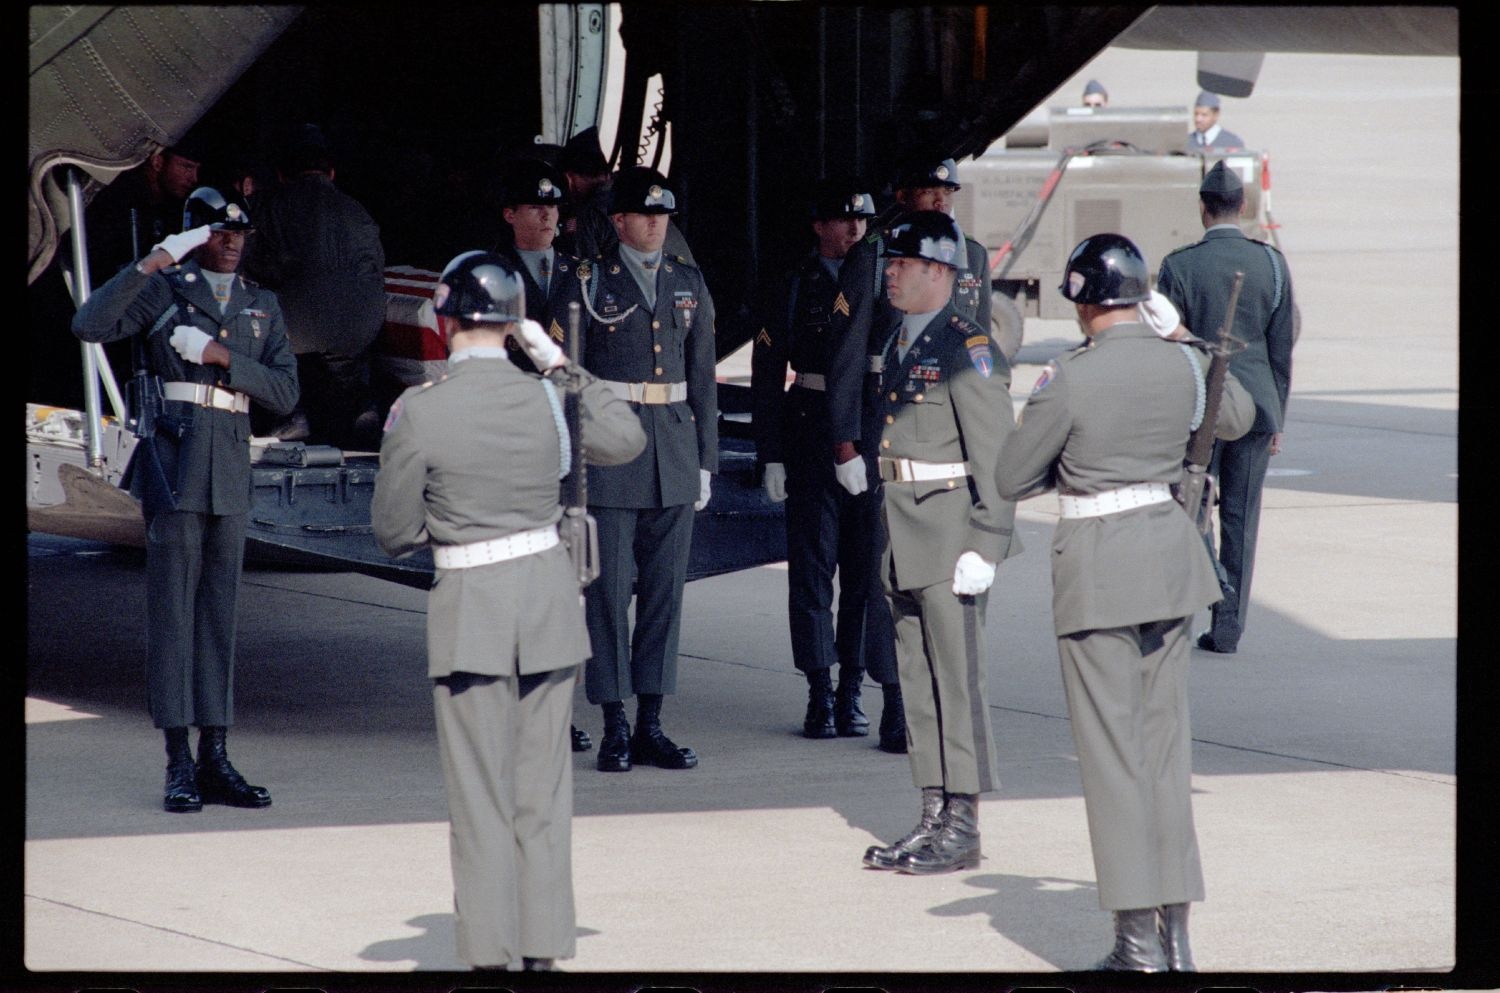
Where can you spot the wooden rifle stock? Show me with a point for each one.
(1195, 493)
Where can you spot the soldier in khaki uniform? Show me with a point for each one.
(217, 341)
(945, 411)
(470, 466)
(1107, 426)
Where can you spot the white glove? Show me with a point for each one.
(190, 342)
(178, 245)
(540, 349)
(851, 475)
(703, 477)
(972, 575)
(1159, 315)
(775, 481)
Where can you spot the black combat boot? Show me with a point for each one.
(614, 747)
(1172, 922)
(581, 740)
(819, 720)
(954, 846)
(649, 745)
(218, 780)
(181, 794)
(892, 721)
(886, 856)
(1138, 944)
(848, 717)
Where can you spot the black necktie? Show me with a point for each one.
(545, 268)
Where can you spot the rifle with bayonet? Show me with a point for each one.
(579, 531)
(1196, 491)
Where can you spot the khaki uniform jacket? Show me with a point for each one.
(863, 319)
(670, 343)
(948, 401)
(214, 456)
(1115, 412)
(475, 456)
(1197, 279)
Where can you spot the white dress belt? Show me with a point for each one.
(206, 395)
(895, 470)
(512, 546)
(1113, 501)
(810, 381)
(647, 392)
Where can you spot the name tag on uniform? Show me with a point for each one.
(611, 306)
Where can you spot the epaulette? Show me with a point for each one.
(964, 325)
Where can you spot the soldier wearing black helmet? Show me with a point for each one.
(828, 529)
(865, 318)
(216, 341)
(944, 412)
(531, 196)
(469, 467)
(650, 335)
(1107, 426)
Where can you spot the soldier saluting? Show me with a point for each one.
(470, 466)
(1107, 426)
(215, 341)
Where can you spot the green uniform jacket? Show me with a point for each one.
(671, 343)
(1198, 278)
(1115, 412)
(475, 456)
(948, 401)
(214, 457)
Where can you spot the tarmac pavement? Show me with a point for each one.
(1325, 787)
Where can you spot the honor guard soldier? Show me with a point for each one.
(212, 342)
(470, 467)
(1197, 279)
(945, 411)
(650, 338)
(827, 528)
(1107, 425)
(532, 194)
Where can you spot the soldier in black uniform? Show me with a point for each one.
(1197, 279)
(827, 527)
(650, 338)
(217, 341)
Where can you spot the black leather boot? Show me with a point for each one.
(892, 721)
(848, 717)
(181, 793)
(218, 781)
(1138, 944)
(819, 720)
(614, 746)
(581, 740)
(650, 745)
(886, 856)
(954, 846)
(1172, 922)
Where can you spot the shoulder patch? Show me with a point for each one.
(1048, 373)
(980, 355)
(393, 416)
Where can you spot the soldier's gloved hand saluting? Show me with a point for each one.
(190, 341)
(972, 574)
(178, 245)
(540, 349)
